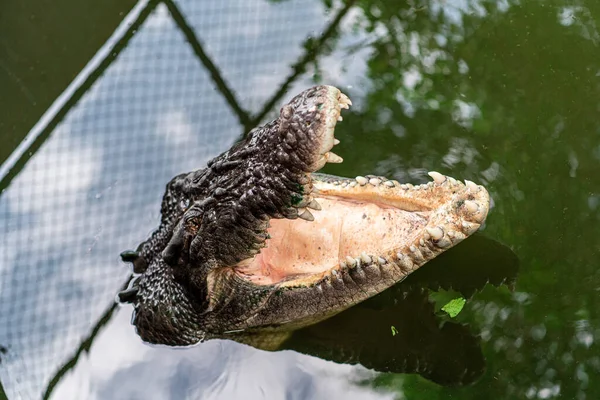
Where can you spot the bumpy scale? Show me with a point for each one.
(258, 239)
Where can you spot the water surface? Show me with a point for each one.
(505, 94)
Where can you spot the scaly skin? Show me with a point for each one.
(189, 286)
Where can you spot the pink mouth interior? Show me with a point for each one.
(302, 250)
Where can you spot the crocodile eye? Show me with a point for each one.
(192, 223)
(184, 204)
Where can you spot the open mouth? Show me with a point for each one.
(347, 224)
(260, 239)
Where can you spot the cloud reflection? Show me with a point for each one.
(119, 366)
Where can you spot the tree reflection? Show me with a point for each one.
(503, 93)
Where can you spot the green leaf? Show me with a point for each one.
(394, 331)
(454, 306)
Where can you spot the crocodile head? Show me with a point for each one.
(258, 240)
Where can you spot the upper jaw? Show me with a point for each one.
(334, 102)
(230, 202)
(308, 122)
(455, 210)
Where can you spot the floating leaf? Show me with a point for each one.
(454, 307)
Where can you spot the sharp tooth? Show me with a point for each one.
(404, 186)
(381, 260)
(340, 119)
(303, 203)
(437, 177)
(333, 158)
(471, 206)
(336, 142)
(314, 205)
(305, 214)
(443, 243)
(374, 181)
(351, 262)
(469, 227)
(365, 258)
(471, 185)
(362, 181)
(413, 249)
(452, 180)
(344, 105)
(404, 262)
(344, 99)
(352, 184)
(389, 183)
(436, 233)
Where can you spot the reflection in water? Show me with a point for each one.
(436, 348)
(151, 114)
(118, 366)
(425, 343)
(507, 88)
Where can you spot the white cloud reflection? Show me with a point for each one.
(94, 189)
(119, 366)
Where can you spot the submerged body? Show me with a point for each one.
(257, 240)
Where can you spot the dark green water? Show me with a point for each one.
(531, 133)
(506, 94)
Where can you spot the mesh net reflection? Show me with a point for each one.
(179, 83)
(183, 82)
